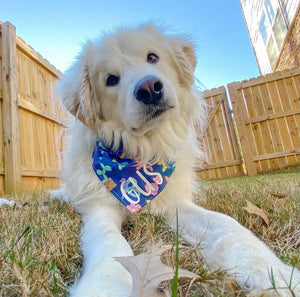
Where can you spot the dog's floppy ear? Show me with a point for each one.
(184, 58)
(75, 89)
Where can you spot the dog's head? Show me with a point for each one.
(132, 78)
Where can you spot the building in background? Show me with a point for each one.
(274, 31)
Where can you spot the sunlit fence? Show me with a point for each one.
(31, 120)
(263, 132)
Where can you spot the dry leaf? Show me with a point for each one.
(253, 209)
(278, 196)
(148, 272)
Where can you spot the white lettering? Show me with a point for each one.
(135, 189)
(130, 192)
(154, 174)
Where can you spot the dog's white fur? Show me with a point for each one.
(112, 113)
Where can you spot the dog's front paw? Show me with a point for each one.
(283, 281)
(105, 279)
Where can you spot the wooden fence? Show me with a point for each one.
(30, 119)
(219, 139)
(266, 114)
(262, 133)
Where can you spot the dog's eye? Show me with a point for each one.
(112, 80)
(152, 58)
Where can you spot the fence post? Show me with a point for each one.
(240, 115)
(10, 110)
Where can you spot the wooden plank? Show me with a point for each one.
(221, 165)
(240, 115)
(209, 137)
(212, 114)
(2, 169)
(268, 110)
(216, 140)
(36, 110)
(293, 121)
(277, 155)
(273, 125)
(296, 81)
(24, 80)
(281, 127)
(232, 134)
(270, 77)
(265, 143)
(213, 92)
(26, 138)
(1, 136)
(30, 183)
(40, 172)
(10, 109)
(253, 131)
(2, 184)
(273, 116)
(1, 79)
(226, 139)
(289, 123)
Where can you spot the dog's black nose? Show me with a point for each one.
(149, 90)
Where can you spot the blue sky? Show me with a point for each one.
(57, 28)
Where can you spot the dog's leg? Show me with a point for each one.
(102, 241)
(225, 244)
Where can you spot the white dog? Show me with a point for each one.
(134, 144)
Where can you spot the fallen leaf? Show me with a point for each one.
(253, 209)
(148, 272)
(278, 196)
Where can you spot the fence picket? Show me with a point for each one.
(240, 115)
(10, 110)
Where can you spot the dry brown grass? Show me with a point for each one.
(39, 243)
(39, 251)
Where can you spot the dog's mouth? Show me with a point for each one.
(152, 113)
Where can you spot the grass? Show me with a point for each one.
(39, 243)
(39, 251)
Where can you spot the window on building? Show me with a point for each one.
(264, 28)
(273, 29)
(279, 29)
(269, 10)
(272, 52)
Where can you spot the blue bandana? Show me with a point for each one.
(131, 183)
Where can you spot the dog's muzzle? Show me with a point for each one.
(149, 90)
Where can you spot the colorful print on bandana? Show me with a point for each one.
(132, 184)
